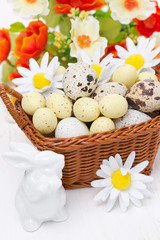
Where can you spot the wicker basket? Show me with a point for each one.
(84, 154)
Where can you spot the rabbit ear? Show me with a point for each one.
(23, 148)
(18, 160)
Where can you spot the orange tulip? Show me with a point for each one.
(31, 42)
(64, 6)
(5, 44)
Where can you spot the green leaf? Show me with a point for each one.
(7, 69)
(109, 28)
(52, 19)
(118, 38)
(65, 25)
(17, 27)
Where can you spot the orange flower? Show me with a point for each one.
(111, 49)
(5, 44)
(87, 5)
(31, 42)
(13, 75)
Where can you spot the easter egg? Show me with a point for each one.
(60, 104)
(71, 127)
(113, 106)
(146, 75)
(79, 80)
(44, 120)
(32, 101)
(86, 109)
(102, 124)
(125, 74)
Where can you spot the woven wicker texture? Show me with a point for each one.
(84, 154)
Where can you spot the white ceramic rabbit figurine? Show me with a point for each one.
(41, 196)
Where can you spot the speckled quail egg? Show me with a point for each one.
(45, 120)
(86, 109)
(60, 104)
(144, 95)
(32, 101)
(131, 117)
(102, 124)
(71, 127)
(125, 74)
(146, 75)
(109, 88)
(113, 106)
(79, 80)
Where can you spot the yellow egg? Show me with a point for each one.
(44, 120)
(113, 106)
(86, 109)
(102, 124)
(146, 75)
(125, 74)
(32, 101)
(60, 104)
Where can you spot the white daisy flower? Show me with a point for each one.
(126, 10)
(30, 8)
(104, 68)
(141, 56)
(85, 35)
(42, 79)
(122, 182)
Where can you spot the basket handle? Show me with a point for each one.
(4, 91)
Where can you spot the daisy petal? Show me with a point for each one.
(146, 193)
(124, 171)
(124, 195)
(151, 44)
(113, 163)
(139, 167)
(53, 66)
(142, 177)
(122, 204)
(135, 193)
(103, 194)
(24, 72)
(107, 170)
(114, 193)
(130, 45)
(34, 67)
(110, 204)
(136, 201)
(85, 57)
(130, 159)
(102, 183)
(20, 81)
(44, 62)
(106, 162)
(119, 160)
(121, 52)
(138, 185)
(101, 174)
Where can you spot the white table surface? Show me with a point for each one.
(87, 219)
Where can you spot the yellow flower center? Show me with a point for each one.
(31, 1)
(40, 81)
(130, 4)
(84, 41)
(136, 61)
(119, 181)
(97, 68)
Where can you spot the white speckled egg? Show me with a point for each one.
(32, 101)
(71, 127)
(125, 74)
(113, 106)
(146, 75)
(102, 124)
(144, 95)
(44, 120)
(79, 80)
(109, 88)
(132, 117)
(60, 104)
(86, 109)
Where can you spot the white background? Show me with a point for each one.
(87, 219)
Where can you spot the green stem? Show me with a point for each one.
(9, 62)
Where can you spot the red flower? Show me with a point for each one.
(150, 25)
(87, 5)
(5, 44)
(111, 49)
(31, 42)
(13, 75)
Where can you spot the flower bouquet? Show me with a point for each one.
(85, 75)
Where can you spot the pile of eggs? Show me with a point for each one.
(87, 108)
